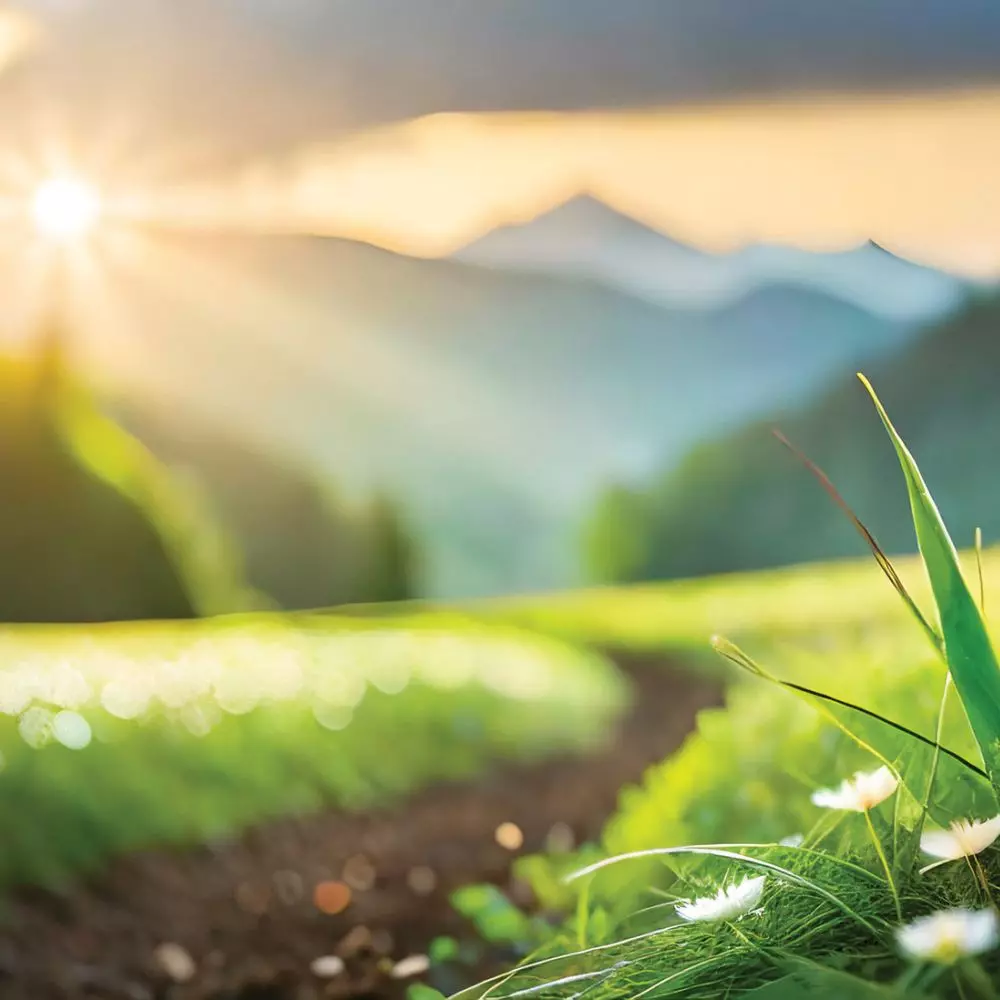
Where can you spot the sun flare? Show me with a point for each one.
(65, 209)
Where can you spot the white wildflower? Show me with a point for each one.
(948, 935)
(858, 794)
(729, 903)
(961, 840)
(792, 840)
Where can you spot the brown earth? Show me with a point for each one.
(240, 920)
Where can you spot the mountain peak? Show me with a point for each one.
(584, 237)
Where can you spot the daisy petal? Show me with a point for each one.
(729, 903)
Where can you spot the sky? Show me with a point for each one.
(422, 124)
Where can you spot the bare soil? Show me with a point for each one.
(240, 920)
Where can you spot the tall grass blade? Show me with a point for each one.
(968, 650)
(979, 570)
(735, 655)
(892, 743)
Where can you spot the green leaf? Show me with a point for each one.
(495, 917)
(418, 991)
(971, 658)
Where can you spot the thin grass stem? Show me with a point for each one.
(885, 865)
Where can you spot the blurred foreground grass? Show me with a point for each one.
(120, 736)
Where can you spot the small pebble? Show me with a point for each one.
(509, 836)
(421, 880)
(357, 939)
(176, 961)
(288, 886)
(412, 965)
(359, 873)
(382, 942)
(252, 898)
(332, 897)
(327, 966)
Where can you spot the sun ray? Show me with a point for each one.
(231, 317)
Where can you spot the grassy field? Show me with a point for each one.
(794, 604)
(196, 729)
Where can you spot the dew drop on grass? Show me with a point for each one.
(333, 717)
(125, 698)
(72, 730)
(35, 727)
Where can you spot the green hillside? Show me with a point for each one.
(743, 502)
(303, 543)
(91, 527)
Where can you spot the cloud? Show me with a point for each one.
(914, 172)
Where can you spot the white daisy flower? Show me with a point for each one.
(729, 903)
(858, 794)
(948, 935)
(961, 840)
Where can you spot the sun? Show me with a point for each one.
(65, 209)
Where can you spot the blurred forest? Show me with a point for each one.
(96, 526)
(741, 501)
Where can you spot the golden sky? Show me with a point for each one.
(914, 172)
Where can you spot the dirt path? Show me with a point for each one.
(240, 920)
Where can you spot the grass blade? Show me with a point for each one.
(885, 564)
(735, 655)
(968, 650)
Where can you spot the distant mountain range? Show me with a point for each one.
(585, 238)
(493, 403)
